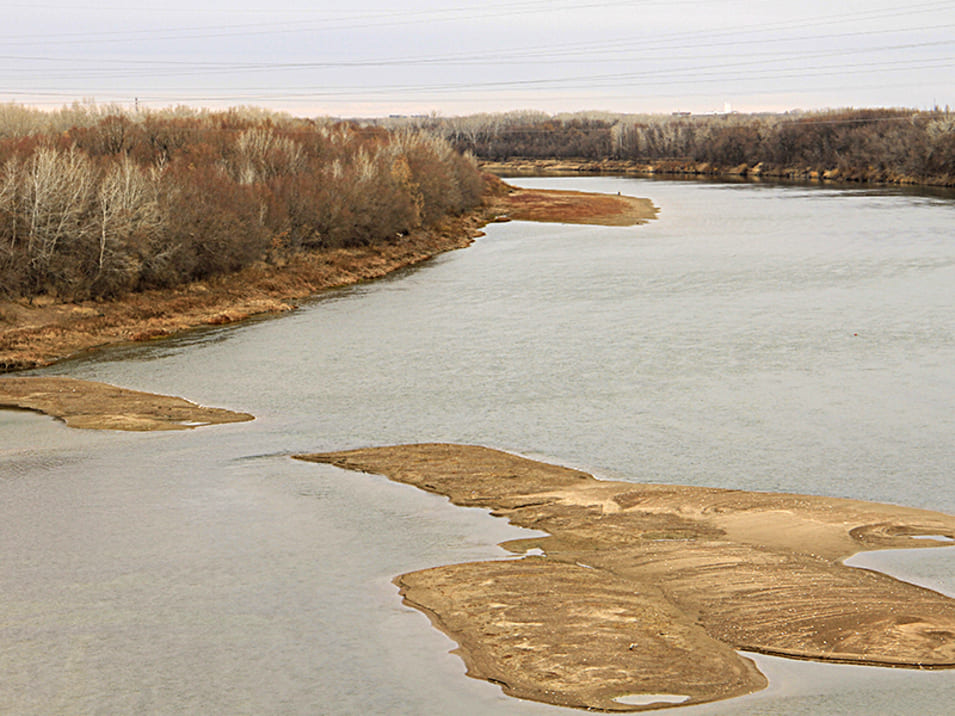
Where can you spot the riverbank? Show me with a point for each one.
(39, 332)
(700, 170)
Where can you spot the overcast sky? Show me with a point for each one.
(361, 58)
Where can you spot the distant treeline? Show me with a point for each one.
(95, 202)
(866, 144)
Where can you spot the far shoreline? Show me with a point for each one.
(677, 169)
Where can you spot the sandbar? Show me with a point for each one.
(573, 207)
(654, 589)
(100, 406)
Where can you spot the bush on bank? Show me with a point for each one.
(96, 204)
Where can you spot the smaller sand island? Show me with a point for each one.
(100, 406)
(642, 595)
(574, 207)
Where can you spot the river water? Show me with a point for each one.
(754, 336)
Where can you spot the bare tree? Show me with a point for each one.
(129, 218)
(57, 193)
(262, 154)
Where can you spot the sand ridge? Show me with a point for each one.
(575, 207)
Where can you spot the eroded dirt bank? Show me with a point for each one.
(42, 331)
(651, 589)
(100, 406)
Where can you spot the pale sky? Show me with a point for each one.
(375, 58)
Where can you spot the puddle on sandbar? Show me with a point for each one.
(944, 539)
(648, 699)
(926, 566)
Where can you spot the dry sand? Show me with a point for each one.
(652, 589)
(86, 404)
(574, 207)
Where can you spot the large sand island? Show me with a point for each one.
(642, 595)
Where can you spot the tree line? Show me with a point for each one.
(95, 203)
(862, 144)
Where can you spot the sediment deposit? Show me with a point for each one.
(100, 406)
(652, 589)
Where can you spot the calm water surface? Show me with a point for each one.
(755, 337)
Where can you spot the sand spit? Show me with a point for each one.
(574, 207)
(99, 406)
(651, 589)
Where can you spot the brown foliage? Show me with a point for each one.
(117, 202)
(867, 144)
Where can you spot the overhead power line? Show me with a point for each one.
(742, 57)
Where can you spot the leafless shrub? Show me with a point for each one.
(118, 201)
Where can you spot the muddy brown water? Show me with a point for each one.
(754, 336)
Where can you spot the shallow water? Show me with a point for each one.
(754, 336)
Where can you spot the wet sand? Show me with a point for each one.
(653, 589)
(100, 406)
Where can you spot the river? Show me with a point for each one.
(755, 336)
